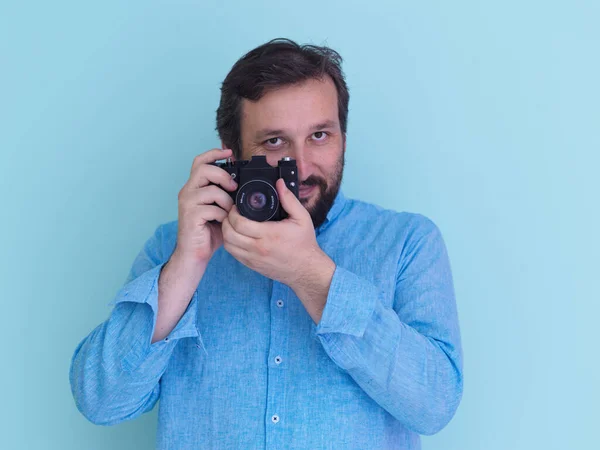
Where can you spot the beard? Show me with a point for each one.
(327, 192)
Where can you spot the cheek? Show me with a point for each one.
(273, 158)
(327, 166)
(323, 157)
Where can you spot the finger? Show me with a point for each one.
(244, 225)
(211, 194)
(211, 156)
(289, 202)
(205, 174)
(206, 213)
(234, 238)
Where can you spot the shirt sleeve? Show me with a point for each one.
(408, 357)
(115, 370)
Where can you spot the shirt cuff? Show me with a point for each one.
(144, 290)
(350, 304)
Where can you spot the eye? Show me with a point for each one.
(274, 142)
(319, 136)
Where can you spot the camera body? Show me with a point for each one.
(256, 196)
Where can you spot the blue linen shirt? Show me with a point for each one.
(246, 366)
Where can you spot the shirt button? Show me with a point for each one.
(275, 418)
(278, 360)
(280, 303)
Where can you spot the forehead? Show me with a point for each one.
(292, 107)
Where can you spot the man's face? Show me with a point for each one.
(300, 121)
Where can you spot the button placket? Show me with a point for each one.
(277, 373)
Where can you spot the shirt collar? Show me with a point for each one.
(334, 211)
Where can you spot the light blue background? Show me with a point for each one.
(481, 115)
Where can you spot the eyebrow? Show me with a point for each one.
(266, 132)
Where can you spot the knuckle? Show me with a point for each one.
(209, 193)
(182, 194)
(198, 159)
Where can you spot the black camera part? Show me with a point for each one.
(256, 196)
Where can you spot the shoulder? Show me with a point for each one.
(168, 229)
(405, 225)
(392, 240)
(166, 234)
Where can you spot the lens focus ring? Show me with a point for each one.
(257, 200)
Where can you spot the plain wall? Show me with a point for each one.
(481, 115)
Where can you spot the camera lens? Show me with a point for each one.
(257, 200)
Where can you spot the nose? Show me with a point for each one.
(302, 162)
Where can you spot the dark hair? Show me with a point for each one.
(279, 62)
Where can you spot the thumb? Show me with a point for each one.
(289, 201)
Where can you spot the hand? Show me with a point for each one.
(280, 250)
(197, 238)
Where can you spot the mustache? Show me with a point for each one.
(314, 181)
